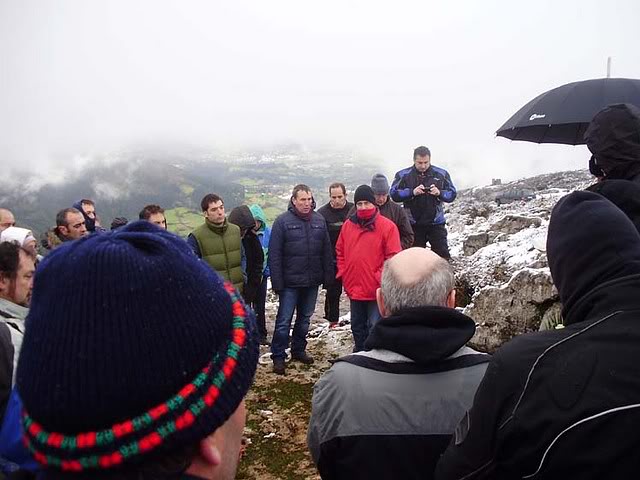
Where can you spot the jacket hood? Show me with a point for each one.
(90, 223)
(242, 217)
(258, 214)
(423, 334)
(590, 242)
(613, 136)
(16, 234)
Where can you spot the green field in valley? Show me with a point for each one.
(182, 221)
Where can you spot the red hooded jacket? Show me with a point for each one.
(361, 253)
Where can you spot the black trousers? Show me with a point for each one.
(332, 301)
(436, 235)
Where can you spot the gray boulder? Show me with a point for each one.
(512, 309)
(514, 223)
(473, 243)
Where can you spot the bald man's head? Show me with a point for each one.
(6, 219)
(416, 277)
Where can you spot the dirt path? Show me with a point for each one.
(279, 406)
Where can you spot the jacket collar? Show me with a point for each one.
(219, 229)
(424, 334)
(13, 309)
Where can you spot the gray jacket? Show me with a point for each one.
(382, 414)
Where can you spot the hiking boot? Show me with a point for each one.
(302, 357)
(278, 366)
(333, 324)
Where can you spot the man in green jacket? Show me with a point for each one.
(219, 242)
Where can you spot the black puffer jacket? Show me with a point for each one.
(300, 253)
(566, 403)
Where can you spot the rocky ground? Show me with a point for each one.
(503, 283)
(278, 407)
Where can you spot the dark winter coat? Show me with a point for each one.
(335, 218)
(361, 253)
(424, 209)
(390, 412)
(566, 403)
(300, 252)
(254, 255)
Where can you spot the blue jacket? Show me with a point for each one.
(300, 253)
(423, 209)
(265, 237)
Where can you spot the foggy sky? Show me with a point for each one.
(379, 77)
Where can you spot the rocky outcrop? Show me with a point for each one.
(473, 243)
(514, 223)
(515, 308)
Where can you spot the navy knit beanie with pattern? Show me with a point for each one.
(133, 347)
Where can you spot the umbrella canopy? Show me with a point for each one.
(562, 115)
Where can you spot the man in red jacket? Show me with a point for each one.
(366, 240)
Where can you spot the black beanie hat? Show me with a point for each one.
(364, 192)
(134, 346)
(590, 242)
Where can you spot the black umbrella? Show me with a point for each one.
(562, 115)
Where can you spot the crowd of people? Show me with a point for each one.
(131, 353)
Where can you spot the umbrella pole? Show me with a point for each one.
(608, 67)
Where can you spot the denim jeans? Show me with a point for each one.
(364, 315)
(303, 301)
(259, 306)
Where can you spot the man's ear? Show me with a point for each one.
(380, 302)
(451, 299)
(209, 452)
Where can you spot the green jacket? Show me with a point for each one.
(221, 247)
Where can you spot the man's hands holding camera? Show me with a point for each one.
(422, 190)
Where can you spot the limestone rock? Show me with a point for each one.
(514, 223)
(473, 243)
(515, 308)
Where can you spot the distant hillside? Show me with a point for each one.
(120, 189)
(177, 183)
